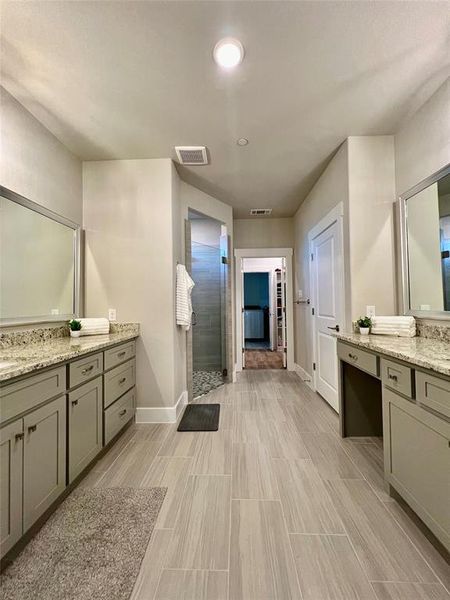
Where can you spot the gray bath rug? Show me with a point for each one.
(91, 548)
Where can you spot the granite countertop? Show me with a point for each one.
(428, 353)
(20, 359)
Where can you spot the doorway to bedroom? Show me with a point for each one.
(264, 313)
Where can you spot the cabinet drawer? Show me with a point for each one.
(119, 354)
(17, 398)
(85, 413)
(118, 414)
(85, 369)
(118, 381)
(359, 358)
(433, 392)
(397, 377)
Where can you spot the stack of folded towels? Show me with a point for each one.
(400, 326)
(94, 326)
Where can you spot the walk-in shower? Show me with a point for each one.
(209, 272)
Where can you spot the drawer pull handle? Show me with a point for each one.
(353, 356)
(74, 402)
(122, 381)
(87, 370)
(19, 436)
(123, 412)
(32, 428)
(121, 354)
(393, 378)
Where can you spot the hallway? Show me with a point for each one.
(272, 506)
(263, 359)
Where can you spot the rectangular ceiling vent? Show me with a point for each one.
(192, 155)
(260, 212)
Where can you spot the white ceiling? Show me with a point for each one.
(133, 79)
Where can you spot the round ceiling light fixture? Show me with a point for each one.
(228, 53)
(242, 142)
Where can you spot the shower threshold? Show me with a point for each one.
(205, 381)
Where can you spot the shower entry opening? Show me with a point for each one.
(207, 261)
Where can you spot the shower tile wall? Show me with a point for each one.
(206, 303)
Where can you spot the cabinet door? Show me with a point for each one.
(11, 462)
(419, 462)
(44, 459)
(85, 408)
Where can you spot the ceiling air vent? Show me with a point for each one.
(258, 212)
(192, 155)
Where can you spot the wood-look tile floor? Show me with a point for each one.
(273, 506)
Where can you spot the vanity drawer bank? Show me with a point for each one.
(405, 399)
(57, 414)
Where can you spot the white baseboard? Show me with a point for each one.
(304, 376)
(162, 414)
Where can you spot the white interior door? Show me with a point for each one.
(328, 304)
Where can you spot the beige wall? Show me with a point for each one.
(262, 232)
(330, 189)
(35, 164)
(422, 145)
(361, 176)
(206, 231)
(371, 224)
(132, 222)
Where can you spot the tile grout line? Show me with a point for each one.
(231, 507)
(288, 536)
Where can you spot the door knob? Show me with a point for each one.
(335, 328)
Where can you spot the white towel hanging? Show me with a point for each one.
(185, 286)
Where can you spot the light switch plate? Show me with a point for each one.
(370, 311)
(112, 314)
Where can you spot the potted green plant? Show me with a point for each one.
(364, 324)
(75, 328)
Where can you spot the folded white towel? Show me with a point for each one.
(401, 326)
(388, 326)
(185, 286)
(94, 326)
(394, 320)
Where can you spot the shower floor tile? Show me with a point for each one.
(205, 381)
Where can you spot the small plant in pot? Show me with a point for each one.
(75, 328)
(364, 324)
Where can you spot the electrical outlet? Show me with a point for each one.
(55, 311)
(112, 314)
(300, 294)
(370, 311)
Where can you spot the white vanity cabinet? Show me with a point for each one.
(52, 427)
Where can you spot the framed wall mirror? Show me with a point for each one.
(39, 263)
(425, 232)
